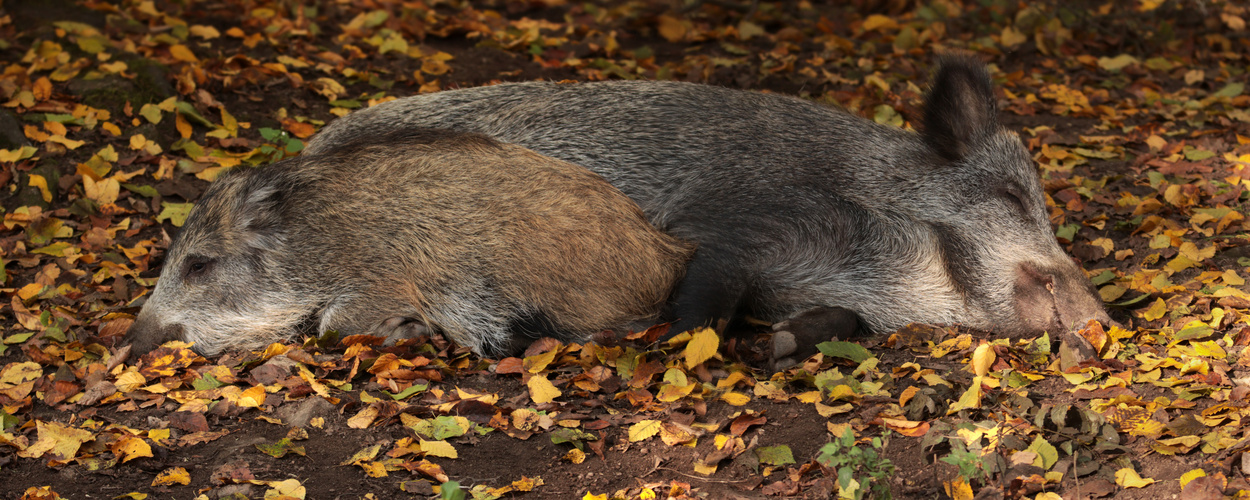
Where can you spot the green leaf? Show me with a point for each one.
(141, 189)
(151, 112)
(190, 112)
(1195, 154)
(572, 436)
(412, 389)
(1231, 90)
(1047, 455)
(775, 455)
(19, 338)
(206, 382)
(845, 350)
(445, 427)
(1067, 232)
(1102, 277)
(281, 448)
(175, 213)
(450, 490)
(1194, 330)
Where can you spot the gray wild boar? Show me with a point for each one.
(801, 211)
(402, 233)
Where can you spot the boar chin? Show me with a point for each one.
(1054, 298)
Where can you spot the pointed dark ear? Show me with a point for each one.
(960, 109)
(262, 209)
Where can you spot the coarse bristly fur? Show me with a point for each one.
(795, 205)
(405, 232)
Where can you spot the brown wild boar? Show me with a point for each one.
(402, 233)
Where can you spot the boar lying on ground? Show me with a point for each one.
(401, 233)
(800, 211)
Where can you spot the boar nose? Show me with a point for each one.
(144, 337)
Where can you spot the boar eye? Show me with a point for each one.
(197, 266)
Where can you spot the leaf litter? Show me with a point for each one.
(113, 123)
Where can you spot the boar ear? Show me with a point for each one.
(960, 109)
(261, 210)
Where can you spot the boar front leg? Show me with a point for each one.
(709, 294)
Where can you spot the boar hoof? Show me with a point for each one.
(400, 328)
(795, 339)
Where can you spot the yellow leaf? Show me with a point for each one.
(982, 359)
(252, 397)
(879, 22)
(40, 182)
(57, 441)
(590, 496)
(958, 489)
(182, 53)
(363, 418)
(1156, 310)
(1047, 495)
(328, 88)
(131, 447)
(672, 28)
(1156, 143)
(289, 488)
(541, 389)
(1128, 478)
(205, 32)
(183, 126)
(828, 411)
(12, 155)
(1116, 63)
(176, 475)
(439, 448)
(539, 362)
(735, 398)
(1191, 475)
(103, 192)
(705, 469)
(575, 456)
(17, 373)
(1012, 37)
(643, 429)
(702, 346)
(374, 469)
(970, 399)
(674, 434)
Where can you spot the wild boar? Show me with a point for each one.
(801, 211)
(409, 232)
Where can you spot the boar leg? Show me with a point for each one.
(709, 294)
(795, 339)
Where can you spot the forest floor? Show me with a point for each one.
(115, 116)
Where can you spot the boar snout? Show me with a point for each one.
(145, 335)
(1055, 298)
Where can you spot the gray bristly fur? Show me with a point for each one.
(409, 232)
(795, 205)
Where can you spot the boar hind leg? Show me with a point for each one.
(710, 293)
(795, 339)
